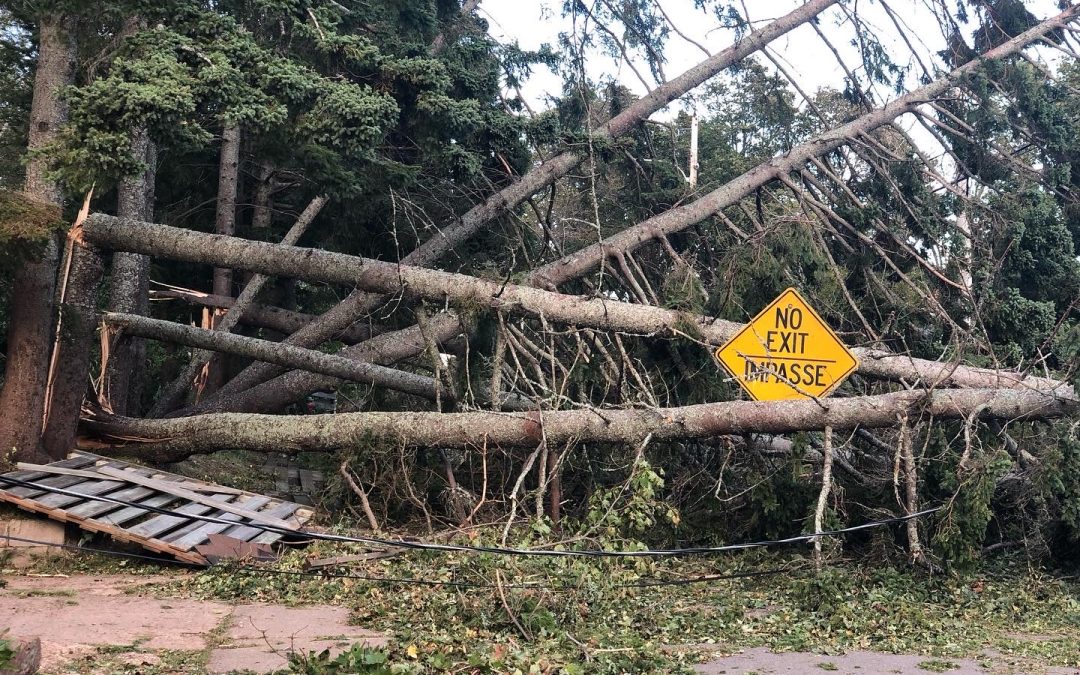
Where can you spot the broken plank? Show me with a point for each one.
(171, 488)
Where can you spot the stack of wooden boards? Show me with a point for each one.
(83, 476)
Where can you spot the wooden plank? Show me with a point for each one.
(93, 508)
(88, 488)
(246, 532)
(165, 475)
(70, 463)
(140, 471)
(39, 477)
(130, 513)
(158, 525)
(201, 534)
(173, 489)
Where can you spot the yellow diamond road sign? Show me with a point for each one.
(787, 352)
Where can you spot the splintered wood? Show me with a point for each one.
(84, 476)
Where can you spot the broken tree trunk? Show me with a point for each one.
(278, 319)
(176, 389)
(228, 180)
(581, 262)
(70, 371)
(358, 303)
(173, 439)
(274, 352)
(224, 223)
(601, 313)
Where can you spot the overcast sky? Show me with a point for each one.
(534, 22)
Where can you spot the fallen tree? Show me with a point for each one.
(278, 353)
(174, 439)
(359, 303)
(462, 290)
(175, 390)
(292, 385)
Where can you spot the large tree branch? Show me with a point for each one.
(462, 290)
(173, 439)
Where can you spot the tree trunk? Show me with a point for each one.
(129, 284)
(601, 313)
(224, 223)
(176, 389)
(357, 304)
(173, 439)
(30, 319)
(228, 179)
(262, 207)
(581, 262)
(73, 347)
(274, 352)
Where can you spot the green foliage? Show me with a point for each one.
(7, 651)
(25, 225)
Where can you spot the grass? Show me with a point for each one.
(937, 665)
(618, 629)
(1030, 619)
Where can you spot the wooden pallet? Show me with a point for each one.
(175, 535)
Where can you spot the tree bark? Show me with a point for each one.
(278, 319)
(358, 303)
(224, 223)
(173, 439)
(30, 318)
(176, 389)
(74, 342)
(228, 179)
(581, 262)
(601, 313)
(129, 283)
(262, 208)
(274, 352)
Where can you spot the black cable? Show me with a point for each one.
(649, 583)
(462, 548)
